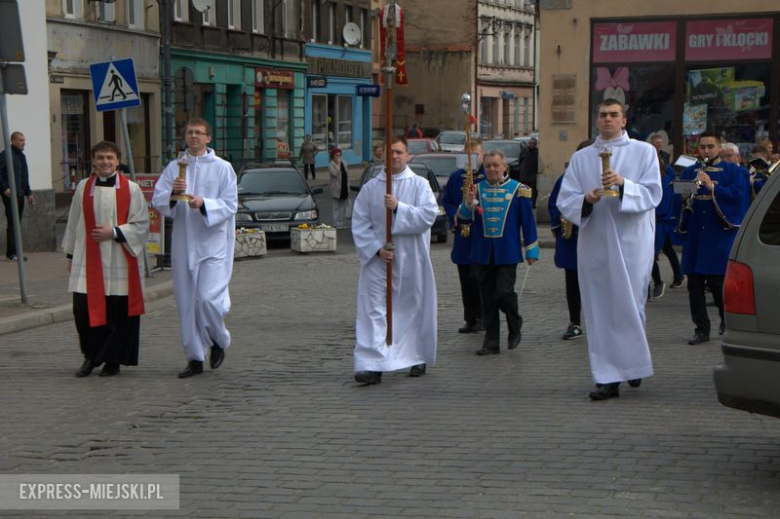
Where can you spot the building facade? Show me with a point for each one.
(80, 33)
(29, 114)
(339, 59)
(682, 68)
(240, 65)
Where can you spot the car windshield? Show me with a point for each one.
(271, 182)
(441, 166)
(420, 171)
(453, 138)
(511, 149)
(417, 147)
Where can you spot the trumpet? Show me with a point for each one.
(698, 182)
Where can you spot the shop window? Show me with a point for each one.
(731, 100)
(648, 90)
(76, 164)
(319, 120)
(344, 123)
(283, 123)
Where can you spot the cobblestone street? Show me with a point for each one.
(282, 430)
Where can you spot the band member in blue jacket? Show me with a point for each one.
(498, 209)
(664, 226)
(710, 218)
(461, 247)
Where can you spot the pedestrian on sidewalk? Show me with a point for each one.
(307, 157)
(499, 210)
(202, 245)
(615, 247)
(22, 181)
(106, 235)
(339, 187)
(414, 209)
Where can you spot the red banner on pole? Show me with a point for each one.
(401, 79)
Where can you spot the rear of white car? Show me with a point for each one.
(749, 376)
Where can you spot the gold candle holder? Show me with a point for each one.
(605, 154)
(179, 195)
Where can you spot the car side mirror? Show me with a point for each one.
(316, 190)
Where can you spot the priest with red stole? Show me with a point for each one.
(104, 243)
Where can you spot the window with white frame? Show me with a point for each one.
(507, 47)
(136, 14)
(496, 42)
(315, 20)
(181, 10)
(210, 17)
(331, 23)
(73, 8)
(285, 17)
(527, 50)
(258, 16)
(106, 12)
(234, 14)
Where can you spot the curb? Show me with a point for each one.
(62, 313)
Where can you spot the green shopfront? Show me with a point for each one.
(255, 106)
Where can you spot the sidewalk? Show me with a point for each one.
(47, 291)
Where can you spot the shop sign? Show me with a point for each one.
(339, 67)
(631, 42)
(710, 40)
(317, 82)
(271, 78)
(155, 244)
(367, 90)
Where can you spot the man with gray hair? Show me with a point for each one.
(730, 153)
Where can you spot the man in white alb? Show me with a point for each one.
(615, 248)
(414, 210)
(202, 245)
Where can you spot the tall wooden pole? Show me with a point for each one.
(389, 70)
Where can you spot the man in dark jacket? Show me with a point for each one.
(22, 178)
(529, 168)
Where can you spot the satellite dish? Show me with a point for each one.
(351, 33)
(202, 5)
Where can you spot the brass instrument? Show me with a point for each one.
(179, 195)
(689, 203)
(772, 168)
(567, 228)
(605, 154)
(468, 182)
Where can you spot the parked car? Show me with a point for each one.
(749, 376)
(453, 140)
(526, 138)
(439, 229)
(273, 198)
(511, 149)
(443, 164)
(417, 146)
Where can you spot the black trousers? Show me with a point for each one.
(573, 298)
(306, 169)
(10, 237)
(114, 343)
(497, 290)
(469, 293)
(674, 261)
(697, 283)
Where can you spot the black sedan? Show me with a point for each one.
(439, 228)
(512, 150)
(273, 198)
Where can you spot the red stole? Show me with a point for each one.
(96, 292)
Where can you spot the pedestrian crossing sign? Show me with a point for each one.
(114, 84)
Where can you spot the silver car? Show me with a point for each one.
(749, 377)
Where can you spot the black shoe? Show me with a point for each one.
(635, 383)
(369, 377)
(470, 327)
(658, 290)
(606, 391)
(514, 342)
(109, 370)
(722, 328)
(677, 283)
(417, 371)
(217, 356)
(488, 351)
(574, 331)
(478, 326)
(699, 338)
(86, 368)
(194, 367)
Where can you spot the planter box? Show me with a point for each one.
(250, 245)
(313, 240)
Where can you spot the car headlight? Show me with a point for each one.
(243, 217)
(306, 215)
